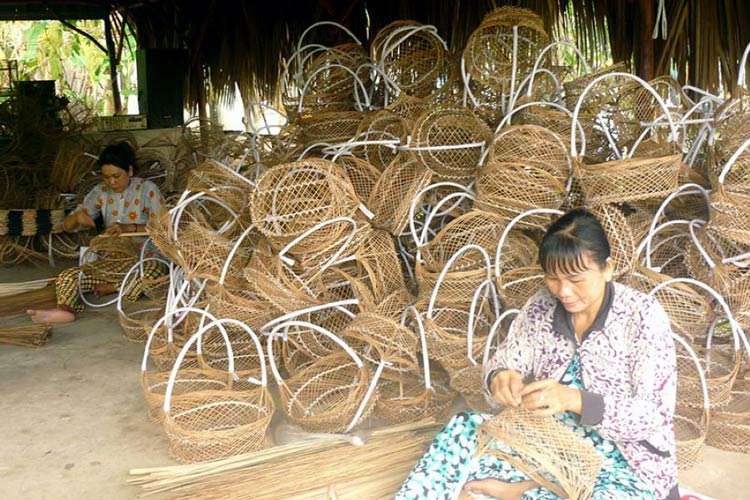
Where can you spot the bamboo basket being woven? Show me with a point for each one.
(548, 451)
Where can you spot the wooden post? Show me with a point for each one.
(647, 17)
(113, 60)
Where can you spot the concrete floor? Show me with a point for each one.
(73, 420)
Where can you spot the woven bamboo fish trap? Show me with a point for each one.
(395, 191)
(332, 394)
(622, 242)
(384, 126)
(188, 379)
(510, 189)
(690, 425)
(711, 259)
(377, 266)
(410, 397)
(330, 127)
(730, 424)
(137, 318)
(409, 109)
(549, 452)
(532, 145)
(502, 50)
(157, 167)
(293, 197)
(412, 56)
(361, 173)
(628, 179)
(219, 181)
(449, 141)
(730, 199)
(211, 424)
(719, 370)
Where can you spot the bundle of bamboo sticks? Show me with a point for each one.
(302, 470)
(26, 336)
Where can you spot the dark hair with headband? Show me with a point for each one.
(120, 155)
(569, 238)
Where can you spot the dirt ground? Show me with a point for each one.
(73, 420)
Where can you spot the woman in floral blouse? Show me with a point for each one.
(125, 203)
(596, 355)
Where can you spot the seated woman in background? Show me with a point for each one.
(125, 203)
(596, 355)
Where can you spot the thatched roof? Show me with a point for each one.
(243, 42)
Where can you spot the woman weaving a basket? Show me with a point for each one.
(594, 354)
(125, 203)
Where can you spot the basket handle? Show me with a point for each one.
(473, 313)
(493, 331)
(509, 226)
(684, 190)
(697, 243)
(733, 159)
(125, 287)
(701, 375)
(328, 23)
(178, 210)
(232, 252)
(643, 83)
(447, 267)
(195, 338)
(164, 319)
(543, 52)
(411, 310)
(290, 262)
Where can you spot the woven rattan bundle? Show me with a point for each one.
(449, 141)
(332, 394)
(503, 49)
(292, 198)
(215, 424)
(412, 56)
(730, 423)
(410, 397)
(730, 198)
(551, 454)
(395, 191)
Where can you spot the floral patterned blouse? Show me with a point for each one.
(133, 206)
(628, 372)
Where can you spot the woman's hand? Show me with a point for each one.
(547, 397)
(506, 387)
(83, 219)
(115, 229)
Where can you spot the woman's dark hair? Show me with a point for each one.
(120, 155)
(569, 238)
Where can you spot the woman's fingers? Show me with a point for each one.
(506, 387)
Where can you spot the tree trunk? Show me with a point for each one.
(647, 17)
(113, 61)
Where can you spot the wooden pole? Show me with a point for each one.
(113, 60)
(647, 17)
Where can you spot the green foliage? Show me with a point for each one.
(48, 50)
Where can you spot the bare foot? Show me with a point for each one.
(498, 489)
(50, 315)
(102, 289)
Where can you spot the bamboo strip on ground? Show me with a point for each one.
(7, 289)
(41, 298)
(303, 470)
(26, 336)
